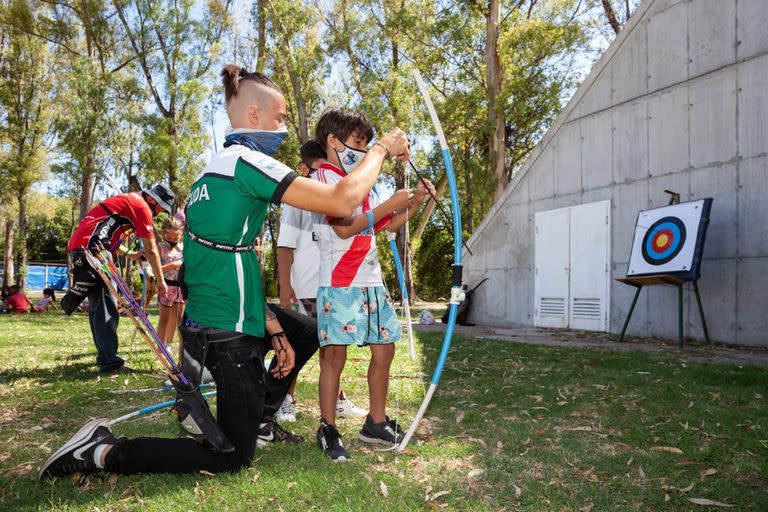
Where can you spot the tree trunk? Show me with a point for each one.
(495, 110)
(261, 58)
(429, 208)
(610, 13)
(173, 161)
(21, 239)
(86, 186)
(8, 268)
(468, 221)
(301, 105)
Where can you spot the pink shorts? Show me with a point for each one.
(174, 296)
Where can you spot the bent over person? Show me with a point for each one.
(227, 324)
(106, 225)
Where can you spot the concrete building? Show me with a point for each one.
(679, 101)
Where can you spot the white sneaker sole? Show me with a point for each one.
(373, 440)
(350, 415)
(284, 419)
(83, 434)
(341, 459)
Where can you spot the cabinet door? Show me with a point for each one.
(552, 258)
(590, 259)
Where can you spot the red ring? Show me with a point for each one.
(670, 237)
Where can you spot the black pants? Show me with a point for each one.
(245, 394)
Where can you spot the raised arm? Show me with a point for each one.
(340, 200)
(350, 226)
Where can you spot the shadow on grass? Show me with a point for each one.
(64, 372)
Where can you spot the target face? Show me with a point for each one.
(663, 241)
(669, 239)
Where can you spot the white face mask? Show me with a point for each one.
(350, 157)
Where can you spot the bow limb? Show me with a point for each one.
(457, 294)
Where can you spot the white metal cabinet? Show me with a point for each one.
(572, 255)
(552, 263)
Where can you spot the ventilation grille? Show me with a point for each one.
(553, 306)
(586, 308)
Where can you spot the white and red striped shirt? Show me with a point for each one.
(353, 261)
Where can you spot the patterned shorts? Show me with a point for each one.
(174, 296)
(356, 316)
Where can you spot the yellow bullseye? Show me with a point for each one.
(662, 240)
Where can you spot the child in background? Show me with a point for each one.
(47, 302)
(297, 257)
(172, 305)
(354, 307)
(17, 302)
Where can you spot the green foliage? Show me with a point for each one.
(433, 263)
(174, 47)
(25, 84)
(50, 225)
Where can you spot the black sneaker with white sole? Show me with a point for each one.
(329, 440)
(387, 432)
(271, 432)
(76, 456)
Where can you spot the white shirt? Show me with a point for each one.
(353, 261)
(296, 233)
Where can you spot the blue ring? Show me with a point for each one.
(675, 240)
(677, 227)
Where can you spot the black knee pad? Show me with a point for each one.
(197, 421)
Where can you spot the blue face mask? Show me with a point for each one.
(263, 141)
(350, 158)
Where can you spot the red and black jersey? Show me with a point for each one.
(109, 222)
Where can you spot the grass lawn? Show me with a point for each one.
(511, 427)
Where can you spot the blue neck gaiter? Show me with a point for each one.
(263, 141)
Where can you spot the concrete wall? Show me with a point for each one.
(679, 101)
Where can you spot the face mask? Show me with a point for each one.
(171, 244)
(263, 141)
(350, 157)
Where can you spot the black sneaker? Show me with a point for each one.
(329, 440)
(271, 432)
(76, 456)
(387, 432)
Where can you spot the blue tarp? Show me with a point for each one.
(56, 278)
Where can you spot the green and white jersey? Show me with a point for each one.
(227, 204)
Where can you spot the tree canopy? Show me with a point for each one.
(95, 91)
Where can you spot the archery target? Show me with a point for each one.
(663, 241)
(669, 240)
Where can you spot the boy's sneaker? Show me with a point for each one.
(287, 411)
(76, 456)
(345, 408)
(271, 432)
(329, 440)
(387, 432)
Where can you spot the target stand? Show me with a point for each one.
(667, 250)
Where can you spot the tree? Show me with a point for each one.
(174, 52)
(25, 85)
(91, 61)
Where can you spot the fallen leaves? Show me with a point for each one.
(709, 503)
(475, 472)
(383, 489)
(668, 449)
(23, 469)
